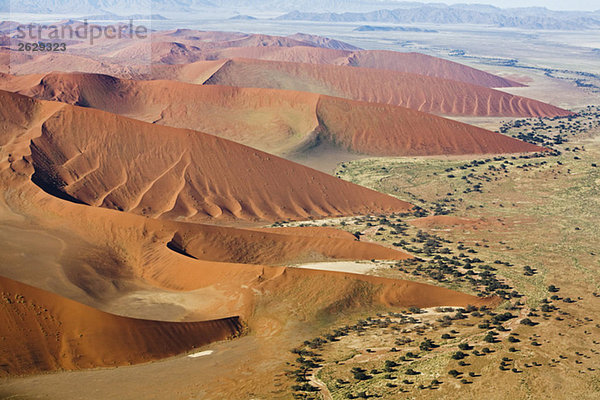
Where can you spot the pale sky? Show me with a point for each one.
(582, 5)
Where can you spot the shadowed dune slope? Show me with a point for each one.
(419, 92)
(276, 121)
(42, 331)
(20, 121)
(16, 113)
(106, 160)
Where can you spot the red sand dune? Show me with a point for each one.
(415, 63)
(241, 286)
(275, 121)
(388, 130)
(21, 63)
(275, 246)
(419, 92)
(196, 73)
(323, 42)
(233, 287)
(132, 58)
(221, 40)
(106, 160)
(318, 231)
(423, 64)
(301, 54)
(158, 53)
(311, 49)
(317, 291)
(260, 40)
(42, 331)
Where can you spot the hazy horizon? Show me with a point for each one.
(575, 5)
(282, 6)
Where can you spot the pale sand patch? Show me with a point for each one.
(354, 267)
(195, 305)
(201, 354)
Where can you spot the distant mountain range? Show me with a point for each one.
(175, 6)
(368, 11)
(77, 7)
(243, 17)
(115, 17)
(527, 18)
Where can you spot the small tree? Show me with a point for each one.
(553, 289)
(489, 338)
(454, 373)
(361, 376)
(389, 365)
(527, 321)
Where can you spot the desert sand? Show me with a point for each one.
(104, 254)
(378, 59)
(277, 121)
(185, 46)
(130, 165)
(42, 331)
(419, 92)
(140, 199)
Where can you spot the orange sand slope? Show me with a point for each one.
(276, 121)
(42, 331)
(275, 246)
(382, 129)
(106, 160)
(236, 288)
(419, 92)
